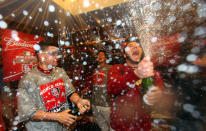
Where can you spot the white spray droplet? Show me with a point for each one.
(76, 78)
(84, 63)
(119, 22)
(25, 12)
(61, 42)
(51, 8)
(50, 66)
(191, 57)
(151, 20)
(1, 16)
(182, 67)
(3, 24)
(68, 51)
(172, 19)
(36, 47)
(67, 43)
(201, 10)
(12, 14)
(154, 39)
(46, 23)
(14, 35)
(199, 31)
(109, 19)
(40, 10)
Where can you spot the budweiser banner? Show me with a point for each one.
(18, 53)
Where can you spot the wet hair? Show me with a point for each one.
(44, 45)
(129, 40)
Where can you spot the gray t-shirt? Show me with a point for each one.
(48, 92)
(100, 96)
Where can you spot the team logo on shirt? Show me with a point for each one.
(53, 95)
(99, 77)
(55, 92)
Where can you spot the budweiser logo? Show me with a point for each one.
(12, 44)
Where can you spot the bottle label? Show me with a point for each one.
(139, 82)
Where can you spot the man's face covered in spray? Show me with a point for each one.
(133, 52)
(50, 57)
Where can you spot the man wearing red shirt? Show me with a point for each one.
(128, 112)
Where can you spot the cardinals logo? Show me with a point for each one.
(99, 77)
(55, 92)
(53, 95)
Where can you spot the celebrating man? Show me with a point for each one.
(128, 111)
(100, 97)
(43, 93)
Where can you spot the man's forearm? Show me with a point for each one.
(42, 115)
(62, 117)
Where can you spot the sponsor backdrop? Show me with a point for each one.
(18, 53)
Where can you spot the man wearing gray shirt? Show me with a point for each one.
(42, 94)
(100, 97)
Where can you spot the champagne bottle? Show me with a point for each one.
(75, 111)
(147, 84)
